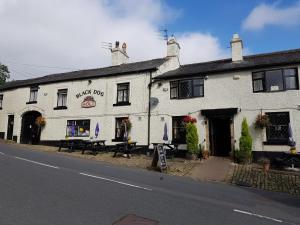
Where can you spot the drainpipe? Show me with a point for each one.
(149, 109)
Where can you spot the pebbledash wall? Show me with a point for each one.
(228, 87)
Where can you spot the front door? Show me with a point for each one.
(30, 131)
(10, 127)
(220, 136)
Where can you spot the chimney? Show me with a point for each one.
(236, 48)
(118, 55)
(173, 47)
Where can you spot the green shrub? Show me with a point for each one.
(245, 151)
(192, 138)
(242, 156)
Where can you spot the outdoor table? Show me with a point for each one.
(170, 149)
(94, 145)
(291, 159)
(125, 147)
(71, 144)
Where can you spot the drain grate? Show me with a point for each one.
(135, 220)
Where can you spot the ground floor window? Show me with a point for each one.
(119, 131)
(277, 131)
(178, 130)
(78, 128)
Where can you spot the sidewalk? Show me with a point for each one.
(213, 169)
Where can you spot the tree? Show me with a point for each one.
(4, 74)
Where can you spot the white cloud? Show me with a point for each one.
(68, 34)
(264, 15)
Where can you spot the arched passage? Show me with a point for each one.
(30, 132)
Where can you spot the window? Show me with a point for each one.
(277, 132)
(1, 101)
(178, 130)
(275, 80)
(123, 93)
(187, 88)
(78, 128)
(33, 95)
(62, 99)
(119, 132)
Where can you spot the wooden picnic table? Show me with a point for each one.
(289, 159)
(70, 144)
(125, 148)
(93, 145)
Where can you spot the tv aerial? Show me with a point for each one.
(106, 45)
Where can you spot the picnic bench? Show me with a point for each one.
(72, 144)
(289, 159)
(125, 148)
(170, 150)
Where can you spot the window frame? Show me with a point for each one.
(78, 127)
(123, 91)
(181, 140)
(277, 141)
(283, 77)
(61, 92)
(32, 90)
(1, 101)
(175, 84)
(119, 139)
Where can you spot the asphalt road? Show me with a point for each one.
(38, 188)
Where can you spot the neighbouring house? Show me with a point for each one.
(161, 91)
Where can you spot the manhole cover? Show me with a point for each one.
(135, 220)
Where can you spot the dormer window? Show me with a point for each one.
(33, 95)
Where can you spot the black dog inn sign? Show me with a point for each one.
(89, 101)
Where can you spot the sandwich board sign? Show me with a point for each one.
(162, 157)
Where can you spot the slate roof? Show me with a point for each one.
(226, 65)
(87, 74)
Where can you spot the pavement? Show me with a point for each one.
(43, 188)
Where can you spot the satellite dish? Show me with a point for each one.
(153, 102)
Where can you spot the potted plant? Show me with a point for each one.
(128, 124)
(262, 121)
(192, 138)
(266, 164)
(205, 154)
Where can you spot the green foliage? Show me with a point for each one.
(245, 151)
(192, 138)
(4, 74)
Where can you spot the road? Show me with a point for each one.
(38, 188)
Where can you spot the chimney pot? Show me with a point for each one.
(236, 48)
(119, 56)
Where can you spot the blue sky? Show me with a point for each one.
(223, 18)
(52, 36)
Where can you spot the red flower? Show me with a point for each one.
(189, 119)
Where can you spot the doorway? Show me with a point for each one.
(30, 131)
(10, 127)
(220, 136)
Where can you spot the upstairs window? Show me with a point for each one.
(277, 131)
(187, 88)
(178, 130)
(78, 128)
(1, 101)
(275, 80)
(123, 93)
(33, 95)
(62, 99)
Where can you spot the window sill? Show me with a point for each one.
(60, 108)
(33, 102)
(187, 98)
(275, 143)
(0, 108)
(178, 142)
(117, 140)
(122, 104)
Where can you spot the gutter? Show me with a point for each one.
(149, 109)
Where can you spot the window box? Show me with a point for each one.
(122, 104)
(33, 102)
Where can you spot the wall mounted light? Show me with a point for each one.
(162, 118)
(165, 89)
(89, 82)
(206, 77)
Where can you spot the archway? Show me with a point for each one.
(30, 132)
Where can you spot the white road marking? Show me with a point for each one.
(42, 164)
(115, 181)
(257, 215)
(1, 153)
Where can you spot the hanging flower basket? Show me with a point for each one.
(40, 121)
(262, 121)
(128, 124)
(189, 119)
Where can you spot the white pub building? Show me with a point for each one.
(160, 92)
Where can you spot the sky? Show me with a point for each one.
(52, 36)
